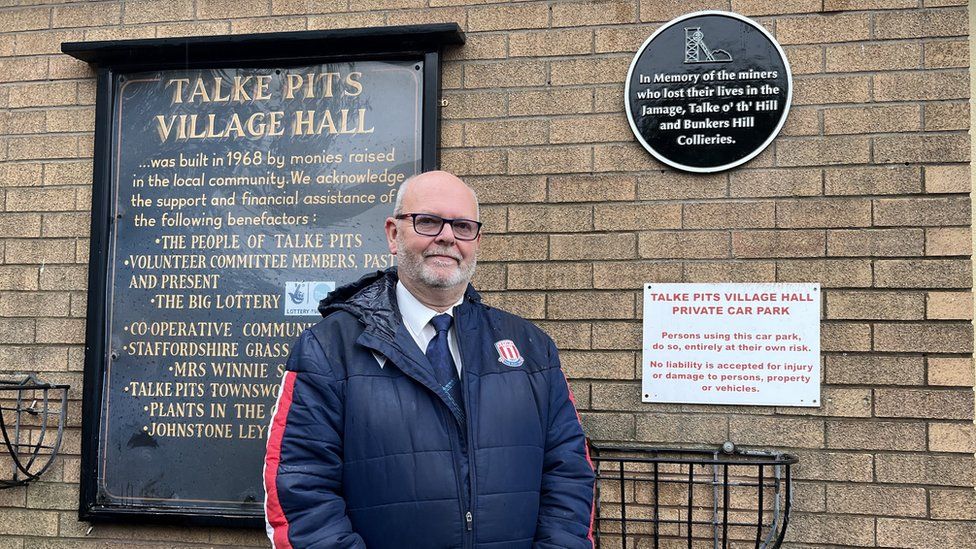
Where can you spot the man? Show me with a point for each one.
(415, 416)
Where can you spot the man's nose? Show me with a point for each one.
(446, 235)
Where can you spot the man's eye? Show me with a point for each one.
(465, 227)
(427, 222)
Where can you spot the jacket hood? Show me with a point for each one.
(372, 300)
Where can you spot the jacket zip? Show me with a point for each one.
(469, 428)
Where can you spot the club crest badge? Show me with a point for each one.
(508, 353)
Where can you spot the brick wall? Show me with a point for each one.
(865, 191)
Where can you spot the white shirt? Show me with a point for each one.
(416, 318)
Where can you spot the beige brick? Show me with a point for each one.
(87, 15)
(823, 212)
(15, 331)
(924, 403)
(347, 20)
(549, 276)
(949, 306)
(633, 274)
(13, 277)
(592, 188)
(711, 430)
(544, 160)
(924, 534)
(269, 24)
(26, 19)
(36, 358)
(478, 46)
(43, 94)
(598, 12)
(947, 116)
(857, 5)
(608, 426)
(920, 85)
(730, 271)
(802, 122)
(952, 437)
(947, 179)
(922, 211)
(945, 54)
(220, 9)
(759, 7)
(502, 132)
(590, 129)
(14, 225)
(32, 251)
(617, 336)
(924, 469)
(813, 151)
(43, 146)
(950, 371)
(869, 181)
(952, 504)
(829, 273)
(33, 522)
(883, 56)
(768, 244)
(20, 174)
(847, 467)
(60, 330)
(923, 273)
(557, 101)
(550, 42)
(684, 244)
(833, 530)
(875, 242)
(571, 72)
(524, 304)
(818, 29)
(621, 39)
(624, 217)
(533, 219)
(875, 370)
(821, 90)
(673, 185)
(593, 246)
(150, 11)
(663, 10)
(598, 365)
(875, 305)
(490, 277)
(504, 74)
(502, 190)
(865, 499)
(924, 338)
(845, 336)
(33, 304)
(607, 98)
(61, 278)
(509, 17)
(495, 219)
(530, 247)
(777, 431)
(882, 119)
(32, 199)
(569, 335)
(920, 24)
(468, 104)
(71, 172)
(948, 241)
(922, 148)
(729, 215)
(876, 435)
(473, 162)
(591, 305)
(773, 183)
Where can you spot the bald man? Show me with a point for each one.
(415, 416)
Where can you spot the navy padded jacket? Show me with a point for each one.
(361, 455)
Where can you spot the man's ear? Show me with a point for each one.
(391, 233)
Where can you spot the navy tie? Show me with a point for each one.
(439, 355)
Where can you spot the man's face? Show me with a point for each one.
(440, 261)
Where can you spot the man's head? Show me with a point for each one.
(441, 263)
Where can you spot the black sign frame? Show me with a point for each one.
(111, 59)
(642, 55)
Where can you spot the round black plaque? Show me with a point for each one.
(708, 91)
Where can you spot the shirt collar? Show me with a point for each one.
(415, 314)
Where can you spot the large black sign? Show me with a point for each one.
(708, 91)
(237, 198)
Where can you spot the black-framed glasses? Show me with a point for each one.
(432, 225)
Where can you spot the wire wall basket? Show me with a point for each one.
(32, 420)
(696, 499)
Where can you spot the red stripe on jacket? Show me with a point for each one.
(586, 449)
(275, 514)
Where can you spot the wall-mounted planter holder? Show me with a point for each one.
(32, 419)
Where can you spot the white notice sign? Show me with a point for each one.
(754, 344)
